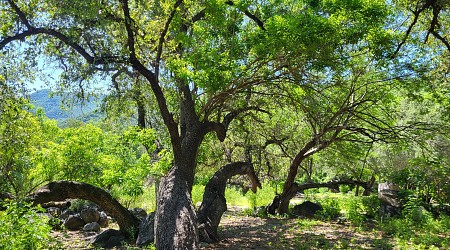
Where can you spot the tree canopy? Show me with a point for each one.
(282, 80)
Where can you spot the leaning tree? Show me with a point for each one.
(200, 60)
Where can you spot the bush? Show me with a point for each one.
(415, 213)
(371, 206)
(355, 212)
(22, 227)
(197, 193)
(359, 209)
(330, 209)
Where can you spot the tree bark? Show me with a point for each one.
(62, 190)
(280, 203)
(175, 217)
(214, 202)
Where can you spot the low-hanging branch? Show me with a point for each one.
(63, 190)
(299, 188)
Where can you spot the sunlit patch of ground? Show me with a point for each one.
(242, 232)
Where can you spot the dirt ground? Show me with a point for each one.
(238, 231)
(243, 232)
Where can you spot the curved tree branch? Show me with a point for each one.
(214, 202)
(62, 190)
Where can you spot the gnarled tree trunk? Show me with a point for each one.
(214, 202)
(175, 217)
(62, 190)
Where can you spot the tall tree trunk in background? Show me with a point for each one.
(280, 203)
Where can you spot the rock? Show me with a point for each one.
(146, 234)
(115, 241)
(90, 215)
(74, 222)
(55, 211)
(139, 213)
(389, 200)
(108, 239)
(306, 209)
(65, 214)
(93, 226)
(103, 221)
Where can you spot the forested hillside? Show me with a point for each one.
(55, 108)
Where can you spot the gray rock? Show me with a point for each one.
(108, 239)
(66, 213)
(93, 226)
(146, 234)
(306, 209)
(139, 213)
(103, 221)
(390, 204)
(55, 211)
(90, 215)
(74, 222)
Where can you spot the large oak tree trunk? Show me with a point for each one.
(62, 190)
(175, 217)
(214, 202)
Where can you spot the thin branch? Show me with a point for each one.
(163, 34)
(20, 13)
(249, 15)
(152, 78)
(416, 13)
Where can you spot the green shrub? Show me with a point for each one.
(344, 189)
(330, 209)
(416, 214)
(371, 206)
(355, 212)
(444, 221)
(22, 227)
(262, 197)
(197, 193)
(234, 197)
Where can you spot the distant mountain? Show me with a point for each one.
(54, 109)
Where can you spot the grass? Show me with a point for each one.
(415, 229)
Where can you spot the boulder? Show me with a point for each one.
(74, 222)
(109, 238)
(146, 234)
(90, 215)
(306, 209)
(139, 213)
(93, 226)
(389, 200)
(103, 221)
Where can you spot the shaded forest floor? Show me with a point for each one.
(238, 231)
